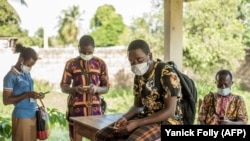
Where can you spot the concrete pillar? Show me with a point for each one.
(173, 33)
(45, 38)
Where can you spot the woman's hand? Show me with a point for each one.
(41, 95)
(36, 95)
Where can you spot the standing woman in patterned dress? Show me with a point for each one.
(85, 78)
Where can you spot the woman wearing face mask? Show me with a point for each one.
(223, 107)
(84, 78)
(18, 90)
(155, 98)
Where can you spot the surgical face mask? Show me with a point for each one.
(25, 69)
(86, 57)
(140, 69)
(224, 92)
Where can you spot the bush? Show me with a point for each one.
(123, 80)
(5, 128)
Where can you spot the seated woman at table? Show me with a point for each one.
(155, 98)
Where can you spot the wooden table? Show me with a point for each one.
(87, 126)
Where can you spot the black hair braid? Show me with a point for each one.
(25, 52)
(19, 48)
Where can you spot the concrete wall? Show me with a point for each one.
(50, 66)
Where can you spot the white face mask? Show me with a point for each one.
(25, 69)
(224, 92)
(86, 57)
(140, 69)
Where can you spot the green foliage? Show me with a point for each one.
(118, 100)
(55, 41)
(8, 14)
(149, 27)
(59, 134)
(107, 26)
(11, 30)
(68, 25)
(212, 35)
(9, 25)
(244, 16)
(37, 39)
(246, 38)
(142, 28)
(56, 118)
(205, 86)
(42, 86)
(22, 35)
(123, 79)
(5, 128)
(5, 121)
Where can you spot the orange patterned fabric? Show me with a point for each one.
(215, 106)
(83, 73)
(153, 89)
(148, 132)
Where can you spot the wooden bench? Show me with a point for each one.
(87, 126)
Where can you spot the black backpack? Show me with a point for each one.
(186, 106)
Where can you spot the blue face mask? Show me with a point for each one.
(224, 92)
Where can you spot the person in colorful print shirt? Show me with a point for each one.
(85, 78)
